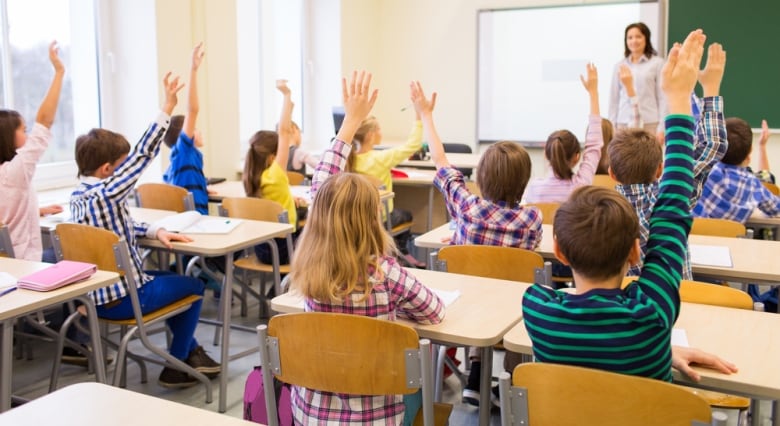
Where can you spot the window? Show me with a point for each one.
(26, 73)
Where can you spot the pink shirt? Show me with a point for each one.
(19, 202)
(554, 190)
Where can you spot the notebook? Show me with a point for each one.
(192, 222)
(58, 275)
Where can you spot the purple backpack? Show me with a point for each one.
(254, 399)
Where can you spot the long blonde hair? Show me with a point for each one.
(339, 250)
(368, 126)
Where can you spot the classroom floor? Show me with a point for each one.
(31, 377)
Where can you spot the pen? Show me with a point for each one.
(7, 290)
(227, 222)
(406, 107)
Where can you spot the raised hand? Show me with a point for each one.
(357, 96)
(591, 83)
(764, 133)
(712, 74)
(281, 85)
(172, 88)
(54, 57)
(422, 105)
(627, 79)
(681, 71)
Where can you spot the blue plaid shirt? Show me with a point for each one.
(710, 146)
(103, 203)
(733, 192)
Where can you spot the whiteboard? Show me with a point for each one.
(529, 63)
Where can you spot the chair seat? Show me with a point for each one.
(401, 227)
(151, 316)
(721, 400)
(441, 415)
(252, 263)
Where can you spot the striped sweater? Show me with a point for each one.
(626, 331)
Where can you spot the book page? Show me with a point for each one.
(710, 255)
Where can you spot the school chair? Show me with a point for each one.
(105, 249)
(392, 230)
(604, 180)
(264, 210)
(548, 211)
(162, 196)
(774, 189)
(295, 178)
(460, 148)
(718, 227)
(322, 351)
(543, 394)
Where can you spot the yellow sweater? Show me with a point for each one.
(275, 186)
(378, 163)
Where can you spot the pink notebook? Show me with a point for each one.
(55, 276)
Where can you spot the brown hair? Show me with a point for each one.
(503, 172)
(595, 230)
(262, 145)
(10, 121)
(343, 241)
(174, 129)
(634, 156)
(560, 149)
(98, 147)
(649, 50)
(607, 131)
(740, 138)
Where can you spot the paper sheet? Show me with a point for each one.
(679, 337)
(7, 283)
(448, 297)
(710, 255)
(192, 222)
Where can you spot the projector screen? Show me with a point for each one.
(530, 61)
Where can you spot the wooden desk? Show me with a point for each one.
(758, 220)
(460, 160)
(21, 302)
(417, 194)
(95, 404)
(235, 189)
(754, 261)
(485, 311)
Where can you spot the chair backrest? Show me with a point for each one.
(460, 148)
(6, 246)
(595, 397)
(717, 227)
(604, 180)
(505, 263)
(295, 178)
(162, 196)
(84, 243)
(254, 209)
(324, 351)
(709, 294)
(548, 211)
(774, 189)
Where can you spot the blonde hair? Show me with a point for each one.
(367, 126)
(339, 250)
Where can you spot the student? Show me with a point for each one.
(732, 191)
(562, 151)
(19, 154)
(344, 264)
(298, 159)
(265, 172)
(607, 132)
(496, 218)
(108, 171)
(186, 168)
(636, 157)
(764, 173)
(377, 163)
(597, 233)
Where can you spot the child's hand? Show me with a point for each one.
(764, 133)
(627, 79)
(591, 84)
(172, 88)
(422, 105)
(166, 237)
(680, 72)
(357, 100)
(281, 85)
(54, 57)
(197, 56)
(712, 74)
(300, 202)
(683, 357)
(48, 210)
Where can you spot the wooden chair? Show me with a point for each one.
(774, 189)
(548, 211)
(393, 230)
(718, 227)
(295, 178)
(604, 180)
(105, 249)
(268, 211)
(595, 397)
(322, 351)
(162, 196)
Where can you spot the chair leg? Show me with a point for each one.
(244, 285)
(55, 369)
(440, 353)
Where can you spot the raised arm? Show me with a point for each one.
(424, 107)
(48, 107)
(193, 104)
(285, 125)
(627, 80)
(594, 140)
(762, 158)
(710, 141)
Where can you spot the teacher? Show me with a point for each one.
(642, 105)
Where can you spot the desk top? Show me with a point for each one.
(235, 189)
(462, 160)
(20, 301)
(484, 312)
(740, 336)
(95, 404)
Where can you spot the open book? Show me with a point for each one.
(192, 222)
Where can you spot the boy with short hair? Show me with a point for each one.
(597, 234)
(732, 191)
(636, 158)
(108, 170)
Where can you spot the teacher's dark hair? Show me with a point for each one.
(649, 50)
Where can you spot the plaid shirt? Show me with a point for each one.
(394, 292)
(733, 192)
(484, 222)
(103, 203)
(710, 146)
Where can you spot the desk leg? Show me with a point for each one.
(485, 383)
(6, 352)
(275, 262)
(94, 331)
(430, 209)
(227, 295)
(775, 413)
